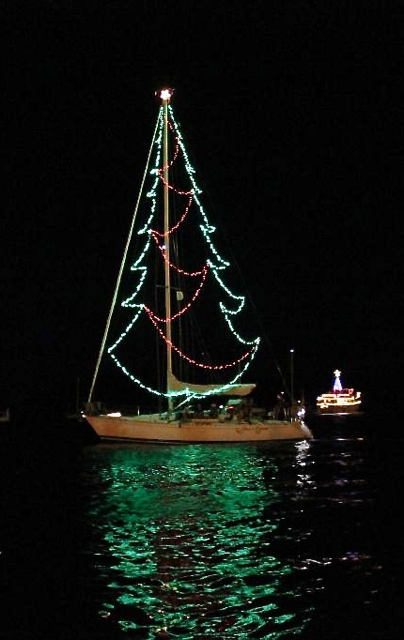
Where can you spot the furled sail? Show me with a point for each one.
(221, 389)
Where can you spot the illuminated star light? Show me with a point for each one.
(337, 382)
(166, 94)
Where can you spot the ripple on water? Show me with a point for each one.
(204, 539)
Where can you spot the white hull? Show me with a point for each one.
(154, 429)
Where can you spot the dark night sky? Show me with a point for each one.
(293, 114)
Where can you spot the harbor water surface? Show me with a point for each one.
(105, 541)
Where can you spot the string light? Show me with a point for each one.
(186, 391)
(216, 367)
(185, 308)
(164, 234)
(174, 266)
(214, 264)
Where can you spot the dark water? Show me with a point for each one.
(203, 541)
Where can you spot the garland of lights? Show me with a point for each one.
(212, 367)
(213, 265)
(164, 234)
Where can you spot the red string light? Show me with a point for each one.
(170, 164)
(173, 266)
(212, 367)
(203, 272)
(175, 227)
(187, 306)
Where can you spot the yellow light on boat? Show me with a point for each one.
(166, 94)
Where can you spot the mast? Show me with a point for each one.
(165, 97)
(292, 391)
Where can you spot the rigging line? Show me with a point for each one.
(264, 333)
(248, 295)
(119, 278)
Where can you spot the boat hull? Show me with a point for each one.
(339, 410)
(149, 429)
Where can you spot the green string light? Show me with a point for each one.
(214, 264)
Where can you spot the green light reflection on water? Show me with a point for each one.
(184, 529)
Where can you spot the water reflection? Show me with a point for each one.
(189, 539)
(239, 541)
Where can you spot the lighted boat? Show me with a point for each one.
(165, 288)
(339, 401)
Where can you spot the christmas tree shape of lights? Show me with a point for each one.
(155, 241)
(337, 388)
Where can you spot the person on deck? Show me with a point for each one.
(214, 410)
(280, 407)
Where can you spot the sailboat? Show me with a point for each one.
(171, 212)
